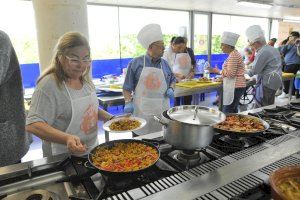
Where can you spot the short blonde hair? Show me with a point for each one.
(66, 42)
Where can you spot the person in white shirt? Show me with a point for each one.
(180, 62)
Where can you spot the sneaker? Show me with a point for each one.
(283, 95)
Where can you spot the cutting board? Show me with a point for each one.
(287, 75)
(196, 84)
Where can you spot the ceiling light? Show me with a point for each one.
(291, 18)
(256, 5)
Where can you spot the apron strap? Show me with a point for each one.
(67, 89)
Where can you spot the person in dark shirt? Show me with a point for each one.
(14, 141)
(291, 60)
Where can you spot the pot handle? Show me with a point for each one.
(88, 165)
(156, 118)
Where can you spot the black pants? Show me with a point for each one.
(186, 100)
(290, 69)
(269, 96)
(233, 107)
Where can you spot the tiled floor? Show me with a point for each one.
(35, 151)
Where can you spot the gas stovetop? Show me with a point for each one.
(70, 177)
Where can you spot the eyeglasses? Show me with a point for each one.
(162, 46)
(76, 61)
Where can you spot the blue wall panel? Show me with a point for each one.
(110, 66)
(30, 72)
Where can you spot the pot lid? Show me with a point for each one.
(196, 115)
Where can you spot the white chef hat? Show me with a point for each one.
(229, 38)
(254, 33)
(149, 34)
(182, 31)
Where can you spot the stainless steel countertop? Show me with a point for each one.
(211, 181)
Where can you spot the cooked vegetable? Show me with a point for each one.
(291, 188)
(239, 123)
(125, 157)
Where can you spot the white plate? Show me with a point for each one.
(107, 124)
(111, 89)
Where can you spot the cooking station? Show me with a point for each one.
(229, 168)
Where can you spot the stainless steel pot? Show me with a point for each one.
(189, 127)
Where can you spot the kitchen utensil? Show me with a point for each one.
(243, 133)
(111, 144)
(182, 132)
(108, 123)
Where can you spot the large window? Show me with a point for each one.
(17, 20)
(133, 19)
(200, 34)
(236, 24)
(275, 31)
(103, 32)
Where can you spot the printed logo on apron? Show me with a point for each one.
(149, 98)
(152, 81)
(182, 64)
(83, 123)
(89, 120)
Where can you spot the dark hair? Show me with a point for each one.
(284, 41)
(295, 33)
(172, 39)
(274, 40)
(178, 40)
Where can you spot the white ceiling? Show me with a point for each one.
(280, 8)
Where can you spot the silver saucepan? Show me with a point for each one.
(189, 127)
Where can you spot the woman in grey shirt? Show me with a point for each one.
(64, 110)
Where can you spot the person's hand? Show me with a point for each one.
(179, 77)
(122, 116)
(74, 144)
(128, 108)
(297, 42)
(170, 93)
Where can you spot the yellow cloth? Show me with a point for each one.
(286, 75)
(197, 84)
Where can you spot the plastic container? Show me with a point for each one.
(206, 73)
(206, 70)
(297, 81)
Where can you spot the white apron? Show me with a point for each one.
(149, 98)
(182, 64)
(83, 123)
(259, 93)
(228, 89)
